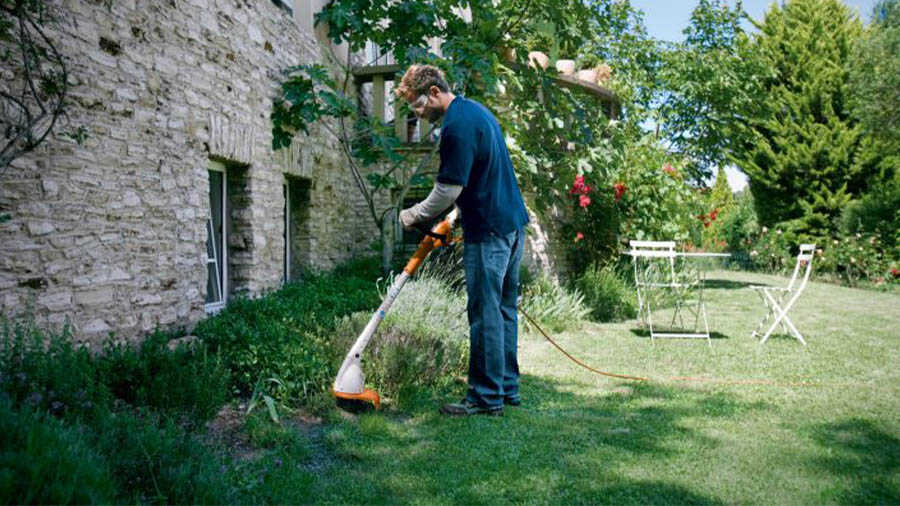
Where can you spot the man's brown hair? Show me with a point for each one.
(418, 79)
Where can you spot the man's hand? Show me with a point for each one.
(407, 219)
(442, 196)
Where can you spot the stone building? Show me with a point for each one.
(175, 201)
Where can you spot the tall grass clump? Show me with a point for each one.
(607, 293)
(283, 336)
(44, 461)
(553, 307)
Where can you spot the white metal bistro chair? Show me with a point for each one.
(780, 300)
(655, 268)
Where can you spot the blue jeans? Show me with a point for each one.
(492, 287)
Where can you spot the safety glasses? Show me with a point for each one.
(419, 102)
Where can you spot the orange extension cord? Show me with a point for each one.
(672, 378)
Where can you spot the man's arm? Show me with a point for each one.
(441, 197)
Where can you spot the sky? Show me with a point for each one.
(666, 19)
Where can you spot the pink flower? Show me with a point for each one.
(668, 169)
(584, 201)
(579, 236)
(578, 187)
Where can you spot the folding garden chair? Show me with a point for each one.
(655, 268)
(780, 300)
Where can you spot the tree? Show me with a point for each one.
(800, 152)
(719, 205)
(33, 93)
(554, 133)
(711, 86)
(875, 85)
(875, 73)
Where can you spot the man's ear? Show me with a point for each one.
(434, 91)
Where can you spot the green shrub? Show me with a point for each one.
(854, 258)
(774, 251)
(43, 461)
(120, 434)
(47, 373)
(740, 229)
(154, 460)
(282, 335)
(607, 293)
(189, 382)
(553, 307)
(876, 213)
(422, 342)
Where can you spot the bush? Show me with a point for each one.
(553, 307)
(43, 461)
(188, 383)
(153, 460)
(49, 373)
(855, 258)
(607, 293)
(283, 335)
(774, 251)
(108, 438)
(740, 230)
(877, 213)
(422, 342)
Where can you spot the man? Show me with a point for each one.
(477, 173)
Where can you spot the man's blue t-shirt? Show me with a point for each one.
(474, 155)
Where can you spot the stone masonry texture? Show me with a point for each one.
(110, 236)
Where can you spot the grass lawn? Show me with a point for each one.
(583, 438)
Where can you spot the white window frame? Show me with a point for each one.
(215, 307)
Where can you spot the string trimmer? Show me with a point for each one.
(350, 385)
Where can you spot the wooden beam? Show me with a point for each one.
(378, 97)
(367, 73)
(400, 128)
(577, 84)
(424, 127)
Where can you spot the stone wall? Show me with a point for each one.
(110, 235)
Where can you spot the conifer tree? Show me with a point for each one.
(800, 160)
(720, 197)
(719, 204)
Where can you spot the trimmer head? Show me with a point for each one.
(349, 387)
(356, 403)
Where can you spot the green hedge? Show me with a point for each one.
(284, 335)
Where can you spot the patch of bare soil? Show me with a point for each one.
(226, 431)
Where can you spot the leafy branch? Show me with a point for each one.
(33, 91)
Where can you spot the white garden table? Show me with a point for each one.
(663, 275)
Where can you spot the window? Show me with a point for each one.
(296, 226)
(216, 231)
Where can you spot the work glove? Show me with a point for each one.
(408, 219)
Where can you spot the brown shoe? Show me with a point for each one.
(466, 408)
